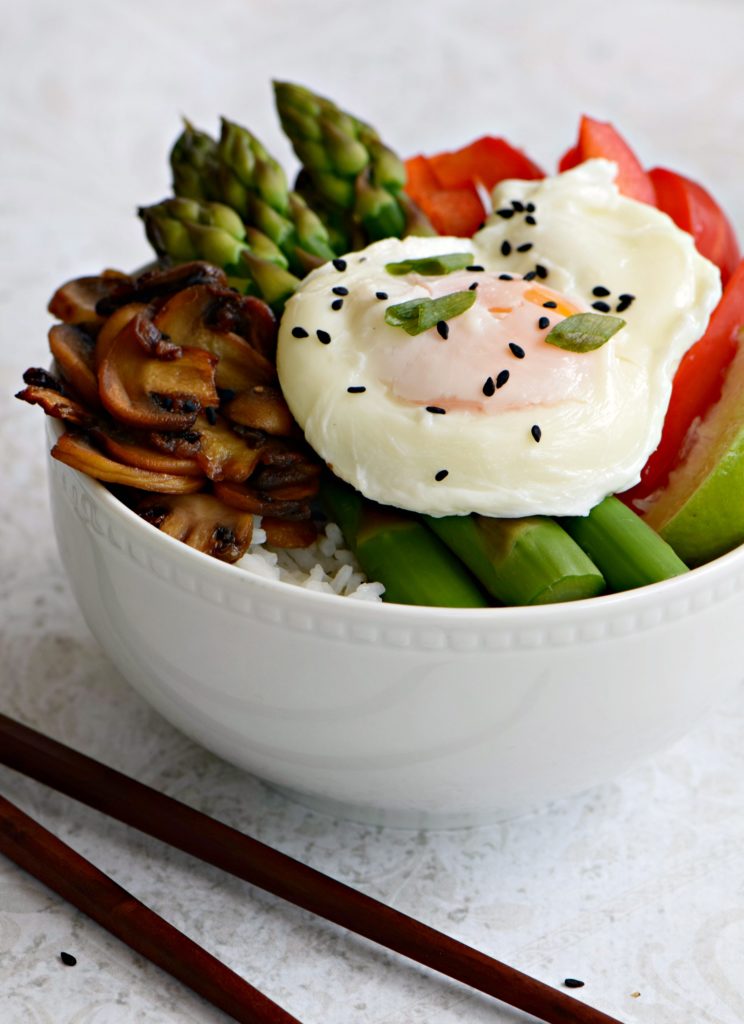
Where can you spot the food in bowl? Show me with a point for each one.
(483, 378)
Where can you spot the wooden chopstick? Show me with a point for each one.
(59, 867)
(136, 804)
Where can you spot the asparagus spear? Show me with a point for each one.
(239, 172)
(348, 166)
(187, 229)
(521, 561)
(254, 184)
(626, 549)
(190, 229)
(398, 550)
(194, 162)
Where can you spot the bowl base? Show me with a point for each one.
(412, 819)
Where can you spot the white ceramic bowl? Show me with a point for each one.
(391, 714)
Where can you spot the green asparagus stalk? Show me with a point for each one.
(397, 549)
(240, 173)
(187, 229)
(254, 184)
(521, 561)
(626, 549)
(274, 284)
(347, 165)
(194, 163)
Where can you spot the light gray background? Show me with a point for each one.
(636, 887)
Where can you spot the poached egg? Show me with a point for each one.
(479, 413)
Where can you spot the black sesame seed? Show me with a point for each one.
(443, 329)
(524, 247)
(536, 432)
(505, 277)
(474, 268)
(502, 378)
(541, 271)
(489, 387)
(339, 264)
(68, 959)
(518, 206)
(516, 350)
(530, 276)
(299, 332)
(340, 290)
(625, 297)
(441, 474)
(473, 286)
(381, 295)
(600, 291)
(622, 306)
(573, 983)
(543, 322)
(529, 219)
(337, 304)
(323, 337)
(505, 248)
(362, 259)
(356, 389)
(550, 305)
(530, 207)
(506, 213)
(436, 409)
(211, 414)
(601, 306)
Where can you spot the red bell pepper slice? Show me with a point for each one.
(693, 209)
(457, 211)
(697, 386)
(487, 161)
(571, 158)
(599, 139)
(445, 186)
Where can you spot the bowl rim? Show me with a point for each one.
(514, 615)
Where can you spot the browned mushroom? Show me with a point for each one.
(201, 521)
(248, 317)
(155, 393)
(76, 451)
(77, 301)
(223, 455)
(62, 407)
(137, 452)
(159, 282)
(262, 407)
(259, 503)
(184, 319)
(73, 350)
(115, 323)
(299, 474)
(282, 534)
(183, 444)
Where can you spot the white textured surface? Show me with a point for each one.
(636, 887)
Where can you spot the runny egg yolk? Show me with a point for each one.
(493, 358)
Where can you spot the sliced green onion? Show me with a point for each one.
(584, 332)
(430, 266)
(419, 315)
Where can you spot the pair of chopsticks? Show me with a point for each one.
(58, 866)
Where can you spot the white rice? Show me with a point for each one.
(326, 566)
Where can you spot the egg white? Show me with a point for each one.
(585, 234)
